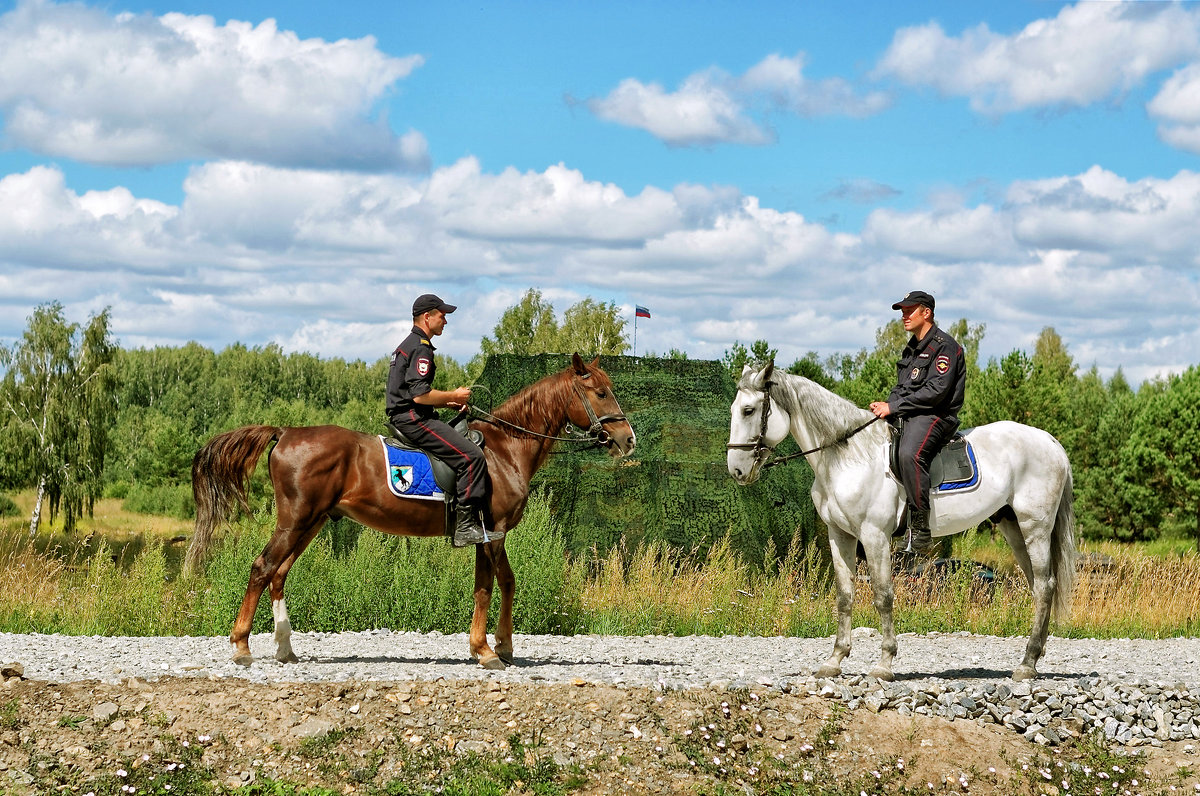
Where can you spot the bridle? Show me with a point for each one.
(763, 452)
(594, 435)
(596, 430)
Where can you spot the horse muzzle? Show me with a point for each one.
(620, 442)
(745, 462)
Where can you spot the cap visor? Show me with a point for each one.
(448, 308)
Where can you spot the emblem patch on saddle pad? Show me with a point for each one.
(409, 473)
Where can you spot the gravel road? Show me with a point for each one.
(662, 661)
(1134, 691)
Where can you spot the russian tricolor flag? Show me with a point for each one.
(640, 312)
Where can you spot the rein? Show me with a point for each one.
(594, 435)
(763, 452)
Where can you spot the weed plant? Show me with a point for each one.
(356, 579)
(396, 582)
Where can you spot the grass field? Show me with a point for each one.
(122, 581)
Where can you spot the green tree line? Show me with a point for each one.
(83, 417)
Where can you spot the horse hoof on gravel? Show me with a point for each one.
(829, 671)
(880, 673)
(243, 660)
(1024, 673)
(288, 658)
(493, 662)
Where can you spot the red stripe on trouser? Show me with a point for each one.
(467, 496)
(917, 465)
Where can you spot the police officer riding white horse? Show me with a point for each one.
(924, 406)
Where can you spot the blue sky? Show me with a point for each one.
(296, 173)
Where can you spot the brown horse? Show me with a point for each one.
(327, 471)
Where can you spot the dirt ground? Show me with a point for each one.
(361, 737)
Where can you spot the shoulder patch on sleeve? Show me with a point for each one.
(942, 364)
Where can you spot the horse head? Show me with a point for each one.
(757, 424)
(597, 410)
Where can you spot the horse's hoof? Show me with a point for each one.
(880, 673)
(493, 663)
(1024, 673)
(290, 657)
(829, 671)
(505, 654)
(243, 659)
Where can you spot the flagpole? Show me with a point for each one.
(635, 331)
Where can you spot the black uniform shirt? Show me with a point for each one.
(411, 374)
(931, 377)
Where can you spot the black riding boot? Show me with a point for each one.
(468, 530)
(920, 540)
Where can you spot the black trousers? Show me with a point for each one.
(921, 437)
(440, 440)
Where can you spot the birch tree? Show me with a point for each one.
(58, 398)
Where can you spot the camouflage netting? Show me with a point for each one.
(675, 487)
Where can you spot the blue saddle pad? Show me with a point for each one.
(409, 473)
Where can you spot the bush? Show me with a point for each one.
(7, 507)
(171, 500)
(118, 490)
(402, 583)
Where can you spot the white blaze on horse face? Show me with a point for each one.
(744, 423)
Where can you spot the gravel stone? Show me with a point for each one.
(936, 674)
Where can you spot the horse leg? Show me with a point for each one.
(508, 588)
(262, 571)
(485, 569)
(283, 625)
(878, 549)
(842, 546)
(1032, 552)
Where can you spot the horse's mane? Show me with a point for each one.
(530, 407)
(827, 415)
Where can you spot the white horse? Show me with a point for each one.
(1024, 485)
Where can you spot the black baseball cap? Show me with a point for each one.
(914, 297)
(428, 302)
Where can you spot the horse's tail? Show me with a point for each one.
(220, 471)
(1063, 553)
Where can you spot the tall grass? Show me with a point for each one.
(395, 582)
(424, 584)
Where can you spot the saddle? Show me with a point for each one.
(443, 474)
(954, 467)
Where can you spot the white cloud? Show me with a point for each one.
(131, 89)
(1089, 52)
(975, 233)
(700, 113)
(782, 80)
(713, 107)
(1177, 107)
(1149, 221)
(330, 261)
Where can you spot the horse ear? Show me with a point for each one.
(765, 376)
(577, 363)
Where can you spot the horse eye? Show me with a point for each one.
(748, 410)
(602, 394)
